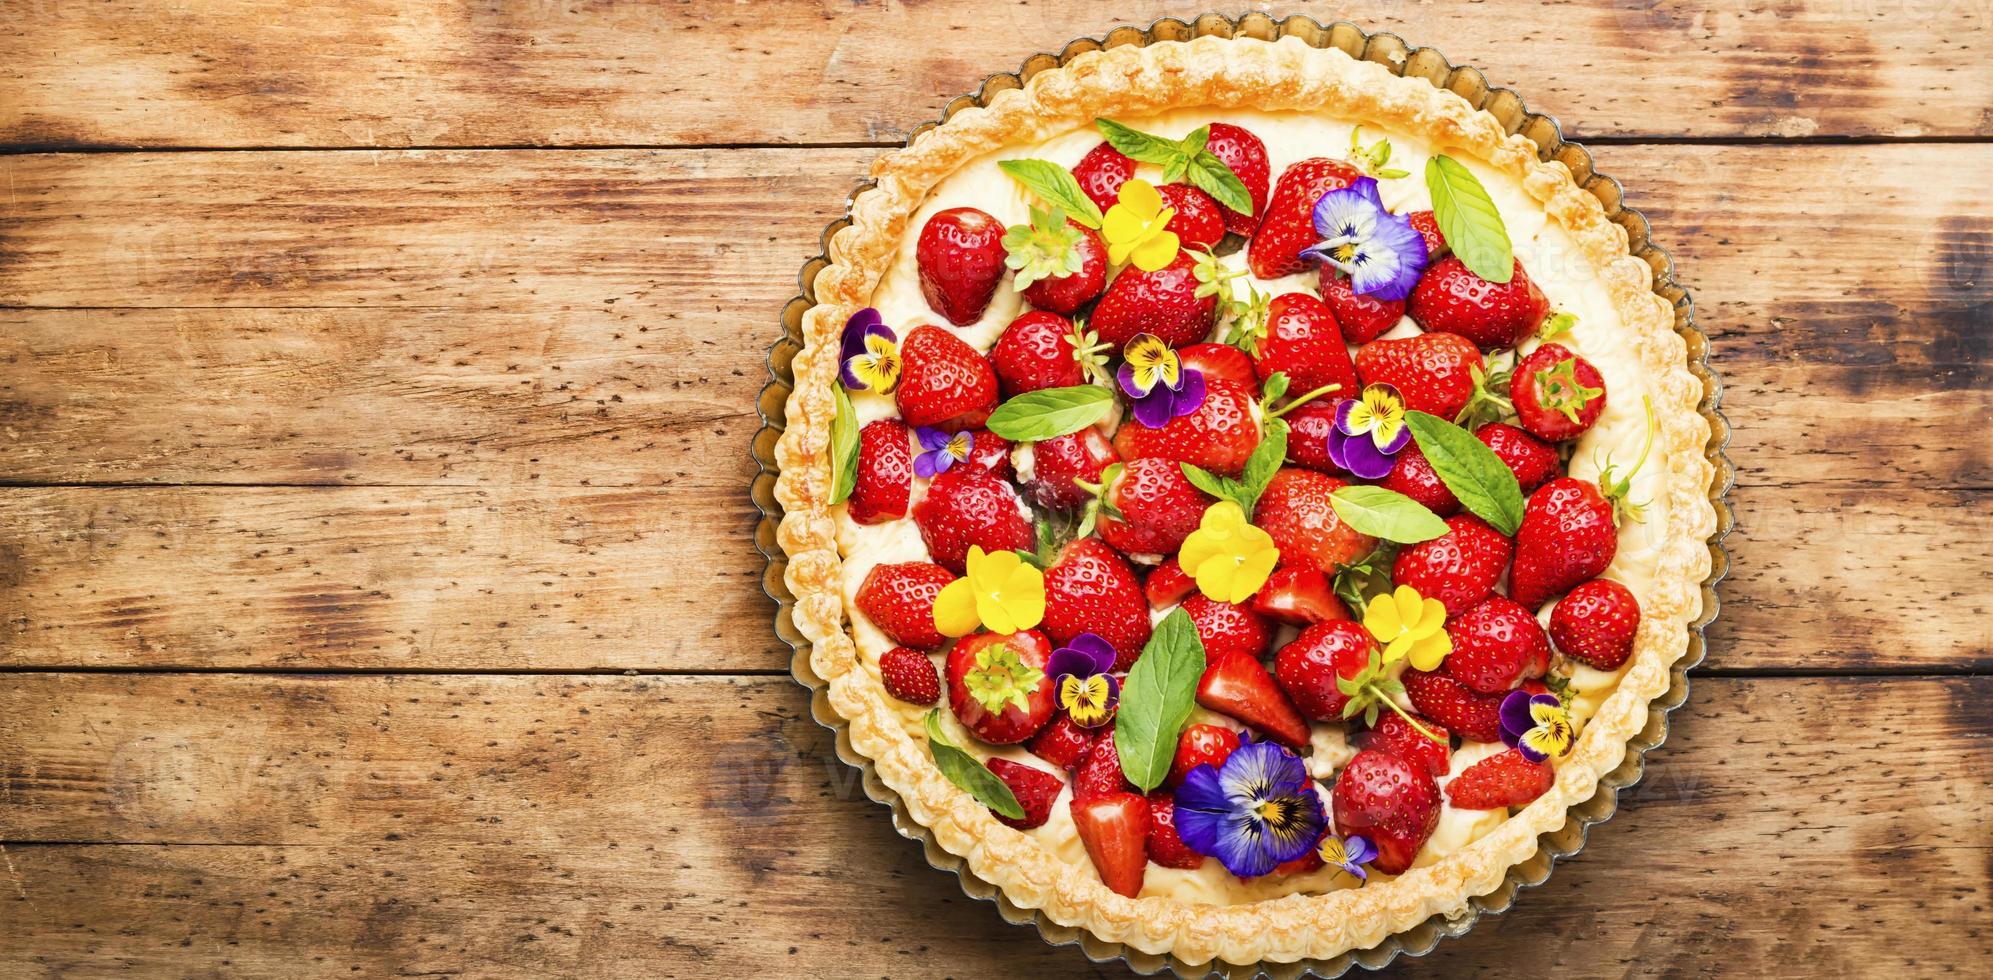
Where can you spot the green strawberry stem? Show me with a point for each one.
(1303, 400)
(1385, 699)
(1486, 402)
(1615, 490)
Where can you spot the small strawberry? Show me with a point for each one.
(1042, 349)
(1309, 667)
(1115, 830)
(1495, 646)
(1062, 743)
(1557, 394)
(1219, 436)
(960, 258)
(1058, 264)
(1100, 769)
(1412, 475)
(885, 473)
(1221, 362)
(997, 685)
(1163, 302)
(1201, 745)
(1568, 535)
(1150, 507)
(1394, 735)
(1240, 687)
(1427, 225)
(1502, 780)
(910, 676)
(1299, 595)
(1595, 623)
(1295, 511)
(1245, 156)
(968, 505)
(1101, 173)
(1475, 717)
(1059, 465)
(1165, 847)
(1529, 459)
(1034, 788)
(1308, 435)
(1288, 224)
(899, 599)
(991, 452)
(1435, 372)
(1361, 317)
(1168, 585)
(944, 383)
(1227, 628)
(1459, 568)
(1450, 298)
(1199, 222)
(1091, 589)
(1392, 802)
(1303, 342)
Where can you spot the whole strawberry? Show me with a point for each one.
(1038, 351)
(1568, 535)
(1361, 317)
(1557, 394)
(968, 505)
(1245, 155)
(1595, 623)
(1427, 225)
(1450, 298)
(1091, 589)
(960, 259)
(899, 599)
(997, 685)
(1303, 342)
(1297, 513)
(1163, 302)
(1393, 735)
(1219, 436)
(944, 383)
(885, 473)
(1528, 458)
(1288, 226)
(991, 452)
(1308, 435)
(1101, 173)
(1435, 372)
(1168, 585)
(1227, 628)
(1157, 508)
(1459, 568)
(1076, 245)
(1060, 464)
(1392, 802)
(909, 676)
(1472, 716)
(1201, 745)
(1412, 475)
(1199, 222)
(1502, 780)
(1219, 362)
(1062, 743)
(1036, 790)
(1309, 667)
(1100, 769)
(1496, 645)
(1165, 847)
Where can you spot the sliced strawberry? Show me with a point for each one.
(1530, 460)
(1309, 667)
(1201, 745)
(1062, 743)
(1392, 802)
(1557, 394)
(1396, 736)
(1034, 788)
(1060, 464)
(1433, 371)
(1168, 585)
(1163, 302)
(885, 473)
(1245, 155)
(944, 383)
(1158, 508)
(1475, 717)
(1115, 830)
(1502, 780)
(1496, 645)
(1219, 436)
(1295, 511)
(1362, 317)
(970, 506)
(960, 259)
(1288, 226)
(1459, 568)
(1100, 769)
(1101, 173)
(1450, 298)
(1221, 362)
(1596, 623)
(1165, 847)
(1299, 595)
(1303, 342)
(997, 685)
(1227, 628)
(1090, 589)
(1199, 222)
(910, 676)
(899, 599)
(1240, 687)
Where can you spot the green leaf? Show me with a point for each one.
(1156, 700)
(1485, 485)
(1386, 514)
(1266, 460)
(963, 770)
(1273, 387)
(1468, 219)
(843, 448)
(1224, 488)
(1054, 185)
(1209, 174)
(1050, 412)
(1137, 145)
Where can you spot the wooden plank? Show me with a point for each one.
(557, 825)
(429, 72)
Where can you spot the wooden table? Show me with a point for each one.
(376, 585)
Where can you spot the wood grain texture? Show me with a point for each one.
(432, 72)
(556, 824)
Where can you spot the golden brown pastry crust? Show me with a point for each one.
(1134, 81)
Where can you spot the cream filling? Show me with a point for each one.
(1552, 260)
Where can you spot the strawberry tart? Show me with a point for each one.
(1239, 497)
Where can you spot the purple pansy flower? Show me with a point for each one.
(1349, 853)
(1085, 688)
(941, 450)
(868, 355)
(1380, 252)
(1369, 431)
(1253, 813)
(1538, 726)
(1155, 379)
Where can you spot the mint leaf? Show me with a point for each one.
(1485, 485)
(1468, 219)
(843, 448)
(1209, 174)
(963, 770)
(1051, 412)
(1156, 700)
(1266, 460)
(1054, 185)
(1386, 514)
(1224, 488)
(1137, 145)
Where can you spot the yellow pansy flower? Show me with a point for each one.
(1136, 228)
(1229, 558)
(1001, 592)
(1409, 625)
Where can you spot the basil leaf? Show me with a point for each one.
(1213, 177)
(963, 770)
(1485, 485)
(1137, 145)
(1156, 700)
(1468, 219)
(843, 448)
(1386, 514)
(1054, 185)
(1051, 412)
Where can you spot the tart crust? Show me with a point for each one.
(1133, 81)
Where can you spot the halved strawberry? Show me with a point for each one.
(910, 676)
(1392, 802)
(1476, 717)
(1496, 645)
(1505, 779)
(1299, 595)
(969, 505)
(1303, 342)
(1163, 302)
(1115, 830)
(1459, 568)
(1530, 460)
(1240, 687)
(1393, 735)
(1288, 226)
(960, 256)
(885, 473)
(1060, 464)
(1245, 155)
(1309, 667)
(1557, 394)
(1219, 436)
(1157, 507)
(1062, 743)
(1089, 588)
(944, 383)
(1362, 317)
(1227, 628)
(997, 685)
(1034, 788)
(1165, 847)
(1201, 745)
(1101, 173)
(1450, 298)
(899, 599)
(1295, 511)
(1199, 222)
(1596, 623)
